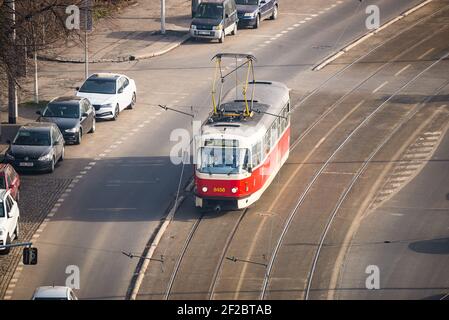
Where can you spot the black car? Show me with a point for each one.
(74, 116)
(36, 147)
(252, 12)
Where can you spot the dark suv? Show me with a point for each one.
(252, 12)
(215, 19)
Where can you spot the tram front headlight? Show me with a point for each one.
(204, 189)
(234, 190)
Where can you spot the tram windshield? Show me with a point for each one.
(222, 160)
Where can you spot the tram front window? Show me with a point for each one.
(223, 160)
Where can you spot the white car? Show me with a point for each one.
(9, 220)
(109, 93)
(54, 293)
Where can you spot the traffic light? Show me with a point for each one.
(29, 256)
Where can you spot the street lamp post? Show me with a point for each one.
(163, 16)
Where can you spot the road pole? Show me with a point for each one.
(163, 16)
(12, 87)
(86, 53)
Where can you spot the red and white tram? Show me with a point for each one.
(242, 146)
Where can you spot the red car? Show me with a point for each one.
(10, 180)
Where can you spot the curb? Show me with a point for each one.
(153, 246)
(167, 220)
(119, 59)
(161, 52)
(335, 56)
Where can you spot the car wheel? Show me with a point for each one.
(133, 101)
(93, 126)
(274, 16)
(16, 232)
(257, 25)
(52, 166)
(116, 112)
(7, 250)
(222, 39)
(234, 32)
(62, 154)
(80, 137)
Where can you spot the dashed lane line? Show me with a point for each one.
(402, 70)
(380, 87)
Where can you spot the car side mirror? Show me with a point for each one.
(84, 114)
(38, 112)
(120, 90)
(250, 169)
(56, 143)
(8, 141)
(226, 16)
(77, 88)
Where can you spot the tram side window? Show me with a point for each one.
(274, 133)
(266, 141)
(280, 125)
(257, 154)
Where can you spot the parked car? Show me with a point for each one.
(54, 293)
(109, 93)
(9, 220)
(10, 180)
(38, 146)
(74, 117)
(252, 12)
(215, 19)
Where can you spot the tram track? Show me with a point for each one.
(302, 197)
(186, 247)
(356, 177)
(354, 89)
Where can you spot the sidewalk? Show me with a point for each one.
(133, 33)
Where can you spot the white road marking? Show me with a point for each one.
(83, 172)
(296, 25)
(426, 53)
(267, 42)
(380, 87)
(402, 70)
(87, 167)
(303, 21)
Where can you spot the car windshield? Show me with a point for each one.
(102, 86)
(210, 11)
(247, 2)
(62, 298)
(223, 160)
(2, 182)
(62, 111)
(32, 138)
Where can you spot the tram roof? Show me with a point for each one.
(269, 97)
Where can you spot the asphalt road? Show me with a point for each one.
(127, 181)
(316, 177)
